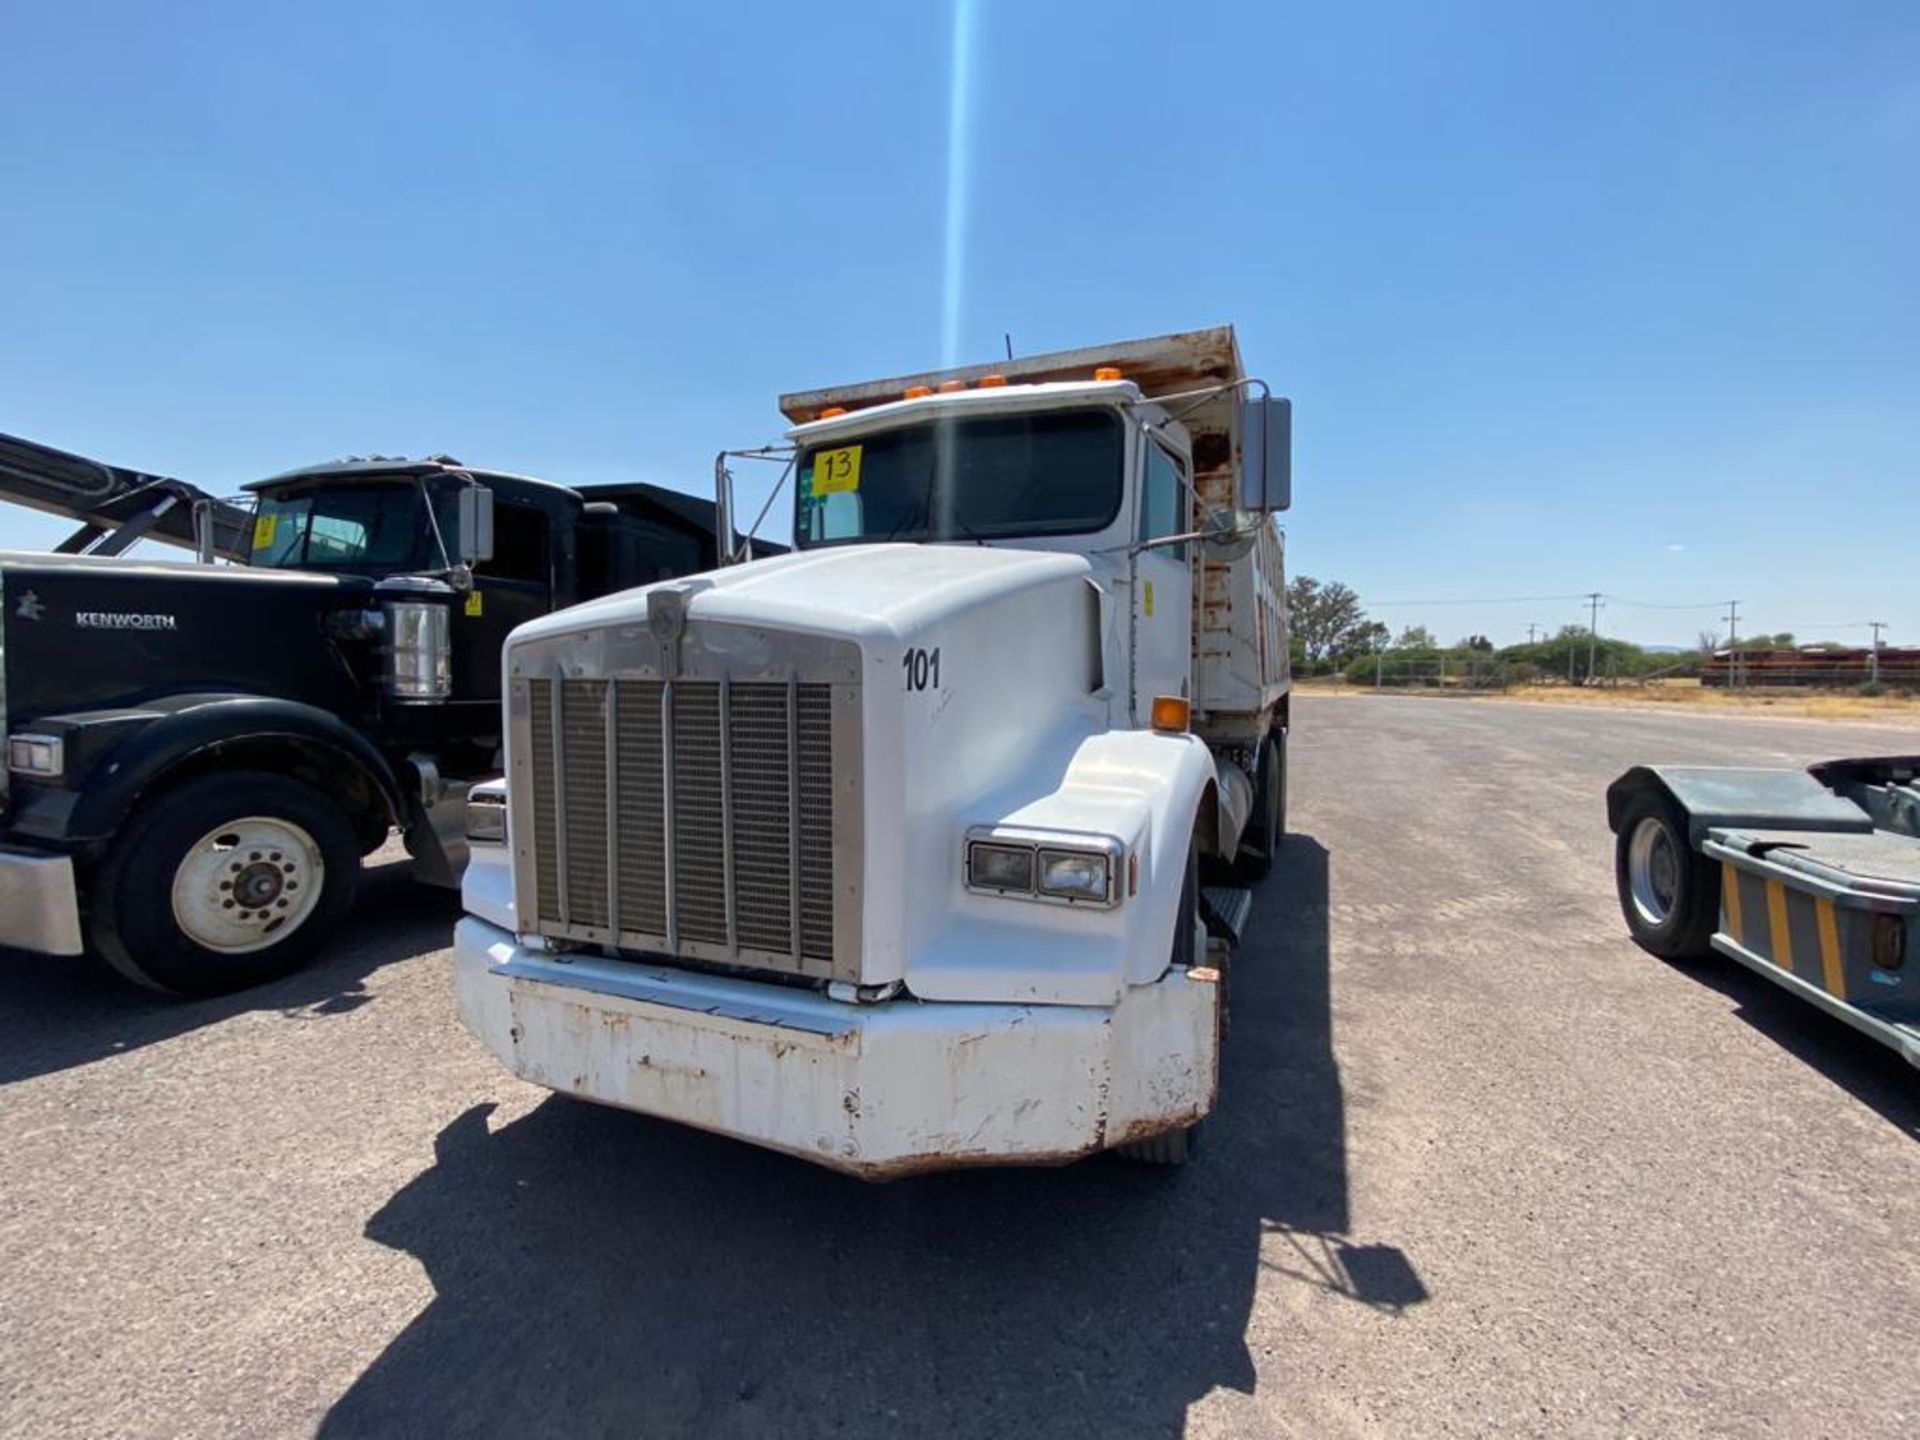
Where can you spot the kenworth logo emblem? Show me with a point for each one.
(30, 607)
(121, 620)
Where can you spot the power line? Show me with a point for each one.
(1657, 605)
(1492, 600)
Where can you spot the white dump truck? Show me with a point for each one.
(888, 852)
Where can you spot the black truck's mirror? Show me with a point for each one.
(1266, 454)
(475, 524)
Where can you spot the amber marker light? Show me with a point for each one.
(1107, 372)
(916, 392)
(1171, 713)
(991, 382)
(832, 412)
(947, 387)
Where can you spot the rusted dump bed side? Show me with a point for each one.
(1161, 365)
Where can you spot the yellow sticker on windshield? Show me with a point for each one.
(475, 605)
(836, 471)
(263, 528)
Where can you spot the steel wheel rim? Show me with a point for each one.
(1653, 871)
(247, 884)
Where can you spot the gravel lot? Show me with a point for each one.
(1481, 1167)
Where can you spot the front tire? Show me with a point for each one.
(1669, 892)
(224, 882)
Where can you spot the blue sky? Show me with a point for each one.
(1616, 296)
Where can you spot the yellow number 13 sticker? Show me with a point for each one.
(836, 471)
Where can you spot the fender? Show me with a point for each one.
(1713, 796)
(1143, 789)
(190, 728)
(1172, 776)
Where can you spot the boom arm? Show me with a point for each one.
(114, 506)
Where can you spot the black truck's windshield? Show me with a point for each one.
(964, 478)
(374, 526)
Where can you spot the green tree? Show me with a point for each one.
(1324, 617)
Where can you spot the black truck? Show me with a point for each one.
(199, 755)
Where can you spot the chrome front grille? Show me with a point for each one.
(694, 817)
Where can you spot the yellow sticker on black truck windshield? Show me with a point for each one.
(263, 528)
(836, 472)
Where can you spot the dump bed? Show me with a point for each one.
(1240, 669)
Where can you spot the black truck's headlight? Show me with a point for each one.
(44, 756)
(487, 817)
(1066, 869)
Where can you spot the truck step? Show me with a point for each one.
(1226, 908)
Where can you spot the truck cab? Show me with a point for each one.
(886, 852)
(201, 753)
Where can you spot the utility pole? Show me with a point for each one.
(1532, 625)
(1874, 671)
(1733, 644)
(1593, 634)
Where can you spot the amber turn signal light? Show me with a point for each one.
(1171, 713)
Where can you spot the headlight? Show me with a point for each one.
(1044, 865)
(1075, 875)
(42, 755)
(1000, 867)
(487, 817)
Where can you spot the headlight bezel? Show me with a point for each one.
(1040, 846)
(33, 756)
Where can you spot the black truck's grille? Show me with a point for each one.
(694, 817)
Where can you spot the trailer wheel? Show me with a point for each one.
(1267, 826)
(1669, 892)
(1172, 1147)
(228, 881)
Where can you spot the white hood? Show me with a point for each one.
(856, 591)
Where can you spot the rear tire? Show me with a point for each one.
(1268, 823)
(225, 882)
(1172, 1147)
(1669, 892)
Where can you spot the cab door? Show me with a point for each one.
(1162, 579)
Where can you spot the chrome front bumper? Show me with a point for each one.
(873, 1090)
(39, 903)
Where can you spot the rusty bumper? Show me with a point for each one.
(874, 1090)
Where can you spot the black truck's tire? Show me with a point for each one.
(1669, 892)
(226, 881)
(1172, 1147)
(1268, 824)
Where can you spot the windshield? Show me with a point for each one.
(965, 478)
(380, 526)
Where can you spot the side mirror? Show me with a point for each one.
(474, 520)
(1266, 454)
(1225, 539)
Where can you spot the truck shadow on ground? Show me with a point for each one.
(1864, 1068)
(601, 1273)
(61, 1011)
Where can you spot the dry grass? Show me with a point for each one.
(1804, 704)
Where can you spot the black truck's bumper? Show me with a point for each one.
(39, 902)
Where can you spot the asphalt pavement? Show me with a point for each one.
(1481, 1167)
